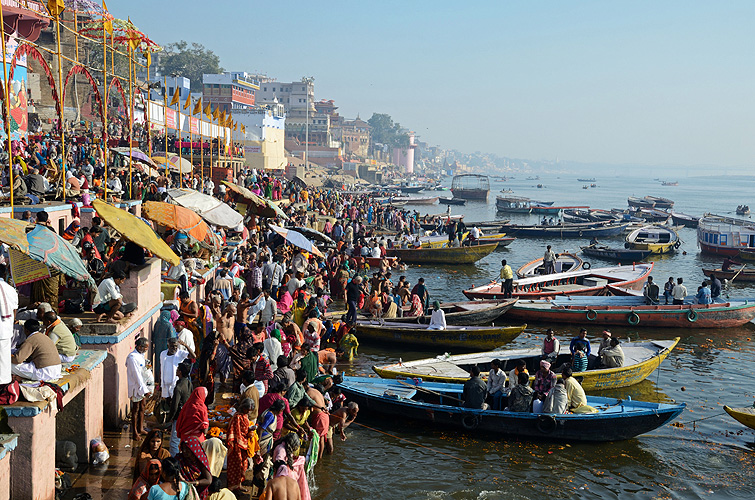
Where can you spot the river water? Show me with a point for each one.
(710, 458)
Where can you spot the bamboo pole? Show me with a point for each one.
(6, 103)
(165, 119)
(62, 104)
(178, 133)
(105, 86)
(130, 123)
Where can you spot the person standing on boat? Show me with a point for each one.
(475, 390)
(580, 342)
(704, 295)
(496, 380)
(421, 291)
(549, 260)
(507, 279)
(437, 318)
(668, 289)
(679, 292)
(715, 287)
(650, 292)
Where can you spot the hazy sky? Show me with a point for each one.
(593, 81)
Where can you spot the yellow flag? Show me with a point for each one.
(221, 121)
(187, 104)
(197, 107)
(208, 111)
(107, 21)
(216, 114)
(176, 98)
(243, 129)
(134, 37)
(148, 56)
(55, 7)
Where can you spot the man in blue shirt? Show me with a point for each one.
(703, 294)
(580, 340)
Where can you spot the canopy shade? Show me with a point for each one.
(297, 239)
(315, 235)
(136, 153)
(175, 163)
(135, 230)
(210, 209)
(181, 219)
(258, 205)
(44, 245)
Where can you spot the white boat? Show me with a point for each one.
(717, 234)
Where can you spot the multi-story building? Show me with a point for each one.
(355, 137)
(265, 136)
(231, 91)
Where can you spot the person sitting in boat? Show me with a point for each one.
(575, 395)
(521, 367)
(551, 347)
(650, 292)
(545, 221)
(437, 318)
(613, 356)
(605, 342)
(727, 263)
(668, 289)
(520, 397)
(474, 235)
(545, 381)
(557, 401)
(475, 390)
(496, 381)
(580, 342)
(580, 360)
(715, 287)
(594, 242)
(703, 294)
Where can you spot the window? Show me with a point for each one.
(264, 89)
(724, 239)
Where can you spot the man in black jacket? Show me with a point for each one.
(353, 294)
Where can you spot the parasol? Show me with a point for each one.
(181, 219)
(261, 206)
(44, 245)
(210, 209)
(315, 235)
(135, 230)
(136, 154)
(297, 239)
(175, 163)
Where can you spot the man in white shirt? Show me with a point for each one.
(272, 349)
(295, 283)
(375, 253)
(111, 305)
(496, 380)
(8, 306)
(169, 361)
(679, 292)
(437, 318)
(268, 312)
(185, 338)
(136, 365)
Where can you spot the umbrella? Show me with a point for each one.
(297, 239)
(175, 163)
(181, 219)
(135, 230)
(44, 245)
(210, 209)
(262, 207)
(136, 154)
(315, 235)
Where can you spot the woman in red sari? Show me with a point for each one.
(195, 468)
(150, 476)
(237, 443)
(193, 420)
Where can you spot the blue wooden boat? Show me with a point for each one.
(618, 254)
(586, 230)
(438, 403)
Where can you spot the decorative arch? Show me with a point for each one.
(117, 82)
(79, 69)
(25, 49)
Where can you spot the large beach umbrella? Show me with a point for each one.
(174, 162)
(315, 235)
(181, 219)
(209, 208)
(257, 205)
(46, 246)
(297, 239)
(135, 230)
(136, 154)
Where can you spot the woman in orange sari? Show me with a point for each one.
(237, 443)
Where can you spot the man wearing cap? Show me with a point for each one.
(545, 381)
(605, 343)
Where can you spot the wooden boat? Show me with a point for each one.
(430, 200)
(472, 313)
(660, 202)
(618, 254)
(500, 238)
(452, 201)
(748, 255)
(656, 239)
(375, 261)
(745, 415)
(651, 214)
(586, 230)
(636, 202)
(633, 311)
(640, 360)
(513, 204)
(722, 235)
(743, 210)
(439, 404)
(470, 186)
(586, 180)
(453, 337)
(446, 255)
(580, 282)
(669, 183)
(743, 275)
(564, 262)
(684, 220)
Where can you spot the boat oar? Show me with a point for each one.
(429, 391)
(740, 270)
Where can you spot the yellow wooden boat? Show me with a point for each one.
(656, 239)
(745, 416)
(640, 360)
(448, 255)
(465, 338)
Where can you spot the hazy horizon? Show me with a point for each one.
(637, 82)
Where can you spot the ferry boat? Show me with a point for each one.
(717, 234)
(470, 186)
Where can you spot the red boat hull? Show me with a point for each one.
(716, 250)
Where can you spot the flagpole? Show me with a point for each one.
(6, 102)
(191, 141)
(60, 113)
(178, 131)
(105, 86)
(130, 123)
(165, 119)
(201, 148)
(148, 105)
